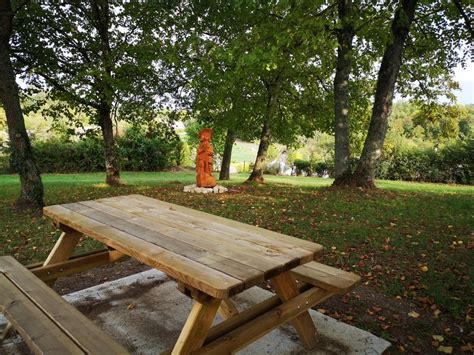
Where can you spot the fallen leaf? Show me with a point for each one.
(445, 349)
(438, 337)
(130, 306)
(424, 268)
(413, 314)
(437, 313)
(467, 348)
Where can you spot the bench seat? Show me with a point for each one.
(326, 277)
(46, 322)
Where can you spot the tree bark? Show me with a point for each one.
(345, 36)
(31, 195)
(100, 11)
(112, 166)
(224, 174)
(265, 137)
(364, 174)
(265, 140)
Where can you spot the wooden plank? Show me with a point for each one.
(286, 288)
(140, 229)
(73, 266)
(227, 309)
(192, 273)
(311, 246)
(63, 248)
(39, 333)
(80, 255)
(246, 260)
(266, 246)
(248, 252)
(85, 333)
(327, 277)
(256, 328)
(196, 327)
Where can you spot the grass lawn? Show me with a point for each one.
(411, 242)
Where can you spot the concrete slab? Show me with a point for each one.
(145, 313)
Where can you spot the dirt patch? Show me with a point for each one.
(389, 318)
(98, 276)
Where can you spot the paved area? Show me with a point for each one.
(145, 312)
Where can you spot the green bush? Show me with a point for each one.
(5, 164)
(148, 151)
(138, 151)
(451, 164)
(55, 156)
(322, 167)
(303, 167)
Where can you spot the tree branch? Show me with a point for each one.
(465, 16)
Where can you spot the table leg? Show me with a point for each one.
(197, 326)
(227, 309)
(6, 331)
(63, 249)
(286, 288)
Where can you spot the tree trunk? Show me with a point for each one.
(112, 166)
(224, 174)
(341, 93)
(101, 12)
(265, 139)
(31, 186)
(364, 174)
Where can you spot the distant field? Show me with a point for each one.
(244, 152)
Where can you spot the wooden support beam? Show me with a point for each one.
(197, 326)
(77, 264)
(6, 331)
(250, 331)
(286, 288)
(193, 293)
(227, 309)
(243, 317)
(64, 247)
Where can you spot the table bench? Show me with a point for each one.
(46, 322)
(212, 259)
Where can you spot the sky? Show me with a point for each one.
(465, 78)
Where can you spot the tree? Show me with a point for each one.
(31, 185)
(414, 40)
(99, 57)
(224, 173)
(364, 174)
(254, 68)
(345, 35)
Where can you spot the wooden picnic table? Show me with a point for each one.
(212, 258)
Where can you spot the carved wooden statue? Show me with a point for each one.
(204, 154)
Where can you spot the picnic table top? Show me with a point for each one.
(218, 256)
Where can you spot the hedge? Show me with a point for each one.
(137, 152)
(451, 164)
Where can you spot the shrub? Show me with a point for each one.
(5, 164)
(150, 151)
(321, 168)
(303, 167)
(55, 156)
(137, 150)
(451, 164)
